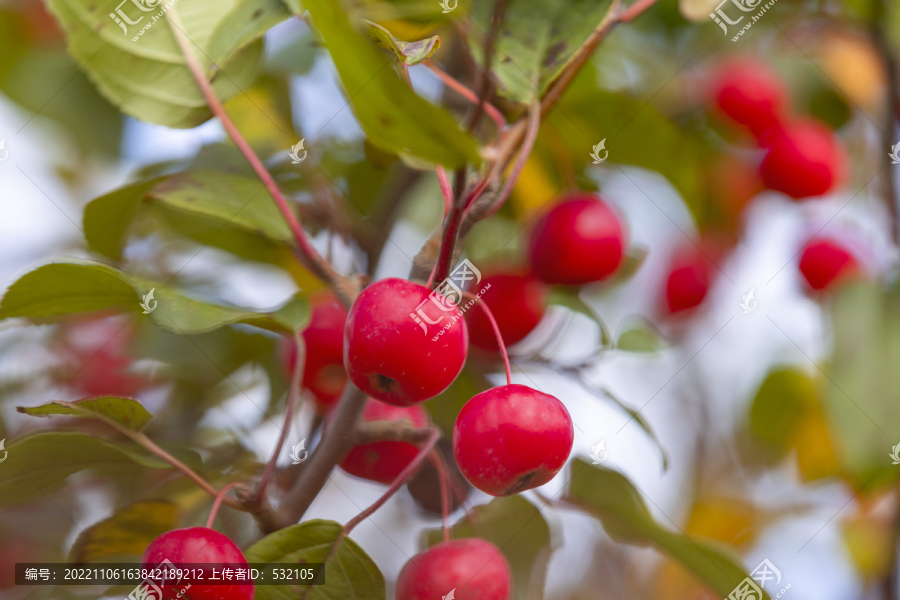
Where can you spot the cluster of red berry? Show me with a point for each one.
(803, 157)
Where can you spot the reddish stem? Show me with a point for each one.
(293, 394)
(438, 460)
(534, 125)
(490, 317)
(635, 10)
(215, 507)
(446, 189)
(313, 259)
(466, 93)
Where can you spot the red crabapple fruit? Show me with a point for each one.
(805, 159)
(578, 241)
(403, 345)
(383, 461)
(750, 94)
(825, 261)
(511, 438)
(197, 545)
(323, 371)
(688, 280)
(517, 302)
(472, 568)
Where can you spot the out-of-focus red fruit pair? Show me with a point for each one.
(804, 158)
(97, 352)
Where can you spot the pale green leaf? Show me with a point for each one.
(124, 411)
(411, 53)
(127, 533)
(391, 114)
(144, 74)
(350, 573)
(613, 499)
(535, 42)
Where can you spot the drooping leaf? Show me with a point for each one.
(613, 499)
(57, 290)
(349, 574)
(107, 218)
(640, 336)
(570, 299)
(39, 464)
(124, 411)
(127, 533)
(140, 67)
(536, 41)
(411, 53)
(518, 529)
(862, 400)
(391, 114)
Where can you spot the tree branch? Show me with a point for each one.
(343, 287)
(879, 25)
(339, 436)
(491, 110)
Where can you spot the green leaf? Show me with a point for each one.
(145, 76)
(569, 298)
(640, 336)
(242, 202)
(862, 401)
(349, 574)
(517, 527)
(107, 218)
(124, 411)
(40, 463)
(57, 290)
(126, 533)
(536, 41)
(778, 407)
(613, 499)
(411, 53)
(391, 114)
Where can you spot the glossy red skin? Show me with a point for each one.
(323, 372)
(474, 568)
(805, 159)
(688, 281)
(750, 94)
(518, 303)
(198, 545)
(512, 438)
(383, 461)
(578, 241)
(825, 261)
(389, 356)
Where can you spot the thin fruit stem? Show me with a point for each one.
(215, 507)
(446, 190)
(405, 474)
(311, 257)
(293, 395)
(490, 317)
(466, 93)
(444, 475)
(531, 133)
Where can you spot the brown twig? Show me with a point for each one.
(390, 431)
(293, 395)
(339, 436)
(450, 230)
(343, 287)
(437, 459)
(486, 81)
